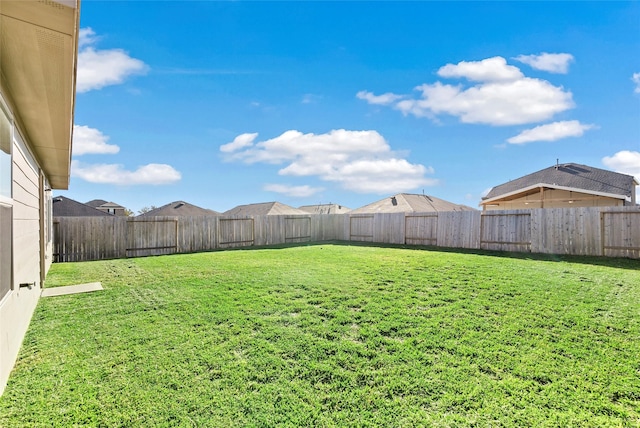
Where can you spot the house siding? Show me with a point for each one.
(38, 63)
(18, 305)
(26, 215)
(555, 198)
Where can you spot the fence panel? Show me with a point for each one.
(361, 228)
(566, 231)
(152, 237)
(421, 229)
(235, 232)
(197, 233)
(269, 230)
(89, 238)
(321, 227)
(506, 231)
(459, 229)
(621, 233)
(297, 229)
(388, 228)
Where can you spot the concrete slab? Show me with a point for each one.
(72, 289)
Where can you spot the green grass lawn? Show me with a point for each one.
(333, 335)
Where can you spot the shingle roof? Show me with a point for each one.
(65, 207)
(571, 175)
(407, 202)
(264, 208)
(181, 209)
(99, 203)
(96, 203)
(325, 209)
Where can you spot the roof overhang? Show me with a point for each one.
(529, 190)
(38, 60)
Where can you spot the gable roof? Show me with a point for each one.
(408, 202)
(95, 203)
(101, 203)
(66, 207)
(570, 176)
(264, 208)
(325, 209)
(179, 208)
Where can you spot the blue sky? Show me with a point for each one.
(227, 103)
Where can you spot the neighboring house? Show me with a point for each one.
(563, 185)
(325, 209)
(408, 203)
(66, 207)
(265, 208)
(179, 208)
(108, 207)
(38, 59)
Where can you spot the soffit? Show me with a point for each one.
(536, 188)
(38, 55)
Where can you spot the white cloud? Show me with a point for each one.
(553, 63)
(515, 102)
(293, 191)
(382, 176)
(503, 96)
(624, 162)
(87, 36)
(488, 70)
(384, 99)
(91, 141)
(151, 174)
(100, 68)
(361, 161)
(636, 79)
(551, 132)
(241, 141)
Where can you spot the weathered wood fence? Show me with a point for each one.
(611, 231)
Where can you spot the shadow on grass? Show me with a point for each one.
(617, 262)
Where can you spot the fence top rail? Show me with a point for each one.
(421, 215)
(502, 214)
(619, 212)
(153, 220)
(608, 210)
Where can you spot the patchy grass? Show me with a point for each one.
(332, 335)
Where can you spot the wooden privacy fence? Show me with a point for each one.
(610, 231)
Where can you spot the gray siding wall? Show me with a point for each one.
(16, 308)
